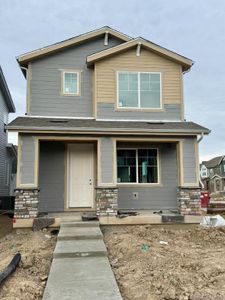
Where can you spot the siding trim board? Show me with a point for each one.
(31, 162)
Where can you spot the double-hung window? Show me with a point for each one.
(70, 83)
(137, 166)
(139, 90)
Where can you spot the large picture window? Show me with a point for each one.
(71, 83)
(139, 90)
(137, 166)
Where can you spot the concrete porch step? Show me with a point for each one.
(79, 224)
(80, 248)
(79, 233)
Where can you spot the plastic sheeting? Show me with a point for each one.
(213, 221)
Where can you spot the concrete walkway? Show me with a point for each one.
(80, 268)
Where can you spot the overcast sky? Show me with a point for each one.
(195, 29)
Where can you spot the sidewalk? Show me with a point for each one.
(80, 269)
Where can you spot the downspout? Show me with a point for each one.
(26, 70)
(198, 141)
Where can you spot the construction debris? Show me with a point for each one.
(40, 223)
(10, 268)
(213, 221)
(29, 279)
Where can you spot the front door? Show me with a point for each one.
(80, 175)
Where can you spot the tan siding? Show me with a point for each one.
(148, 61)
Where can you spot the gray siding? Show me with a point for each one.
(4, 156)
(46, 81)
(106, 160)
(189, 162)
(27, 159)
(107, 111)
(51, 176)
(161, 197)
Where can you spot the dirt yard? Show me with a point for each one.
(29, 279)
(191, 266)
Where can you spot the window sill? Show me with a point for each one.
(70, 95)
(119, 184)
(139, 109)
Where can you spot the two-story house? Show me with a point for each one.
(215, 179)
(105, 129)
(7, 151)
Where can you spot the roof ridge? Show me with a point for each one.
(99, 30)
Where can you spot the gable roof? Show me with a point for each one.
(6, 93)
(91, 125)
(184, 61)
(26, 57)
(214, 162)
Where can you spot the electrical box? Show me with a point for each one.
(135, 195)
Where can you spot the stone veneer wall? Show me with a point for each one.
(26, 203)
(189, 201)
(106, 201)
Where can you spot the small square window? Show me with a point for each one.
(71, 83)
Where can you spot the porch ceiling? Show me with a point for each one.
(93, 126)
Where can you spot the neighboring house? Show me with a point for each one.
(204, 173)
(215, 179)
(7, 151)
(105, 128)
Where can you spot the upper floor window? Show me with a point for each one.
(139, 90)
(71, 84)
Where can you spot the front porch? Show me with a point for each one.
(104, 174)
(143, 217)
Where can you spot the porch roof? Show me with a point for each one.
(96, 126)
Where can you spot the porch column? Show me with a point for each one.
(27, 193)
(189, 201)
(106, 191)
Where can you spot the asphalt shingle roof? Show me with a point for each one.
(212, 163)
(54, 124)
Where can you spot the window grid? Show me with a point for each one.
(139, 90)
(137, 165)
(77, 83)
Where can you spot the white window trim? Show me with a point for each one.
(63, 83)
(137, 177)
(139, 92)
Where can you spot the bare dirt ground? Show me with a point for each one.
(5, 225)
(190, 267)
(30, 277)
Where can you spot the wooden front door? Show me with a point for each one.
(80, 175)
